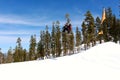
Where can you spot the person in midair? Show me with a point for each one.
(67, 27)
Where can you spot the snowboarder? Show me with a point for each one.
(67, 28)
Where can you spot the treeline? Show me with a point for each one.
(57, 43)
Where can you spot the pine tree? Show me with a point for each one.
(16, 55)
(78, 39)
(84, 33)
(47, 43)
(71, 43)
(112, 30)
(27, 55)
(89, 20)
(64, 43)
(24, 55)
(41, 46)
(18, 50)
(32, 48)
(4, 58)
(9, 56)
(58, 39)
(113, 26)
(53, 40)
(109, 18)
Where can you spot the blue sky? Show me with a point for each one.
(23, 18)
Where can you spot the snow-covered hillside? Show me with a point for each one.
(101, 62)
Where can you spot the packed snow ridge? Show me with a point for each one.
(101, 62)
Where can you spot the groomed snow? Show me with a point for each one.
(101, 62)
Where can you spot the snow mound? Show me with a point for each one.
(108, 47)
(101, 62)
(107, 54)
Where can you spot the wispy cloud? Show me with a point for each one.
(19, 32)
(11, 19)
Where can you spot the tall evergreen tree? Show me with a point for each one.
(109, 18)
(78, 39)
(41, 46)
(113, 30)
(89, 21)
(32, 48)
(47, 42)
(53, 40)
(16, 55)
(71, 43)
(18, 50)
(64, 43)
(84, 33)
(9, 56)
(24, 55)
(58, 39)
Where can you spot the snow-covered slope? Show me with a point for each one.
(101, 62)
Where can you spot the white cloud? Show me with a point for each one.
(19, 32)
(7, 39)
(11, 19)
